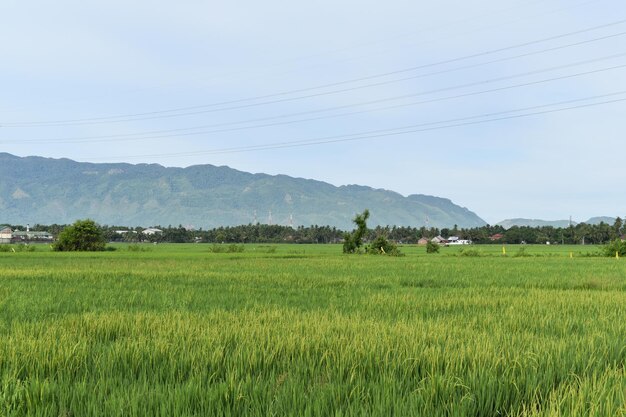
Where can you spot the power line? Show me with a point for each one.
(139, 116)
(341, 107)
(112, 138)
(411, 34)
(445, 124)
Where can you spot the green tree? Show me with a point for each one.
(617, 227)
(83, 235)
(353, 241)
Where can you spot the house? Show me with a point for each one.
(423, 241)
(495, 237)
(453, 239)
(5, 234)
(152, 231)
(439, 240)
(458, 241)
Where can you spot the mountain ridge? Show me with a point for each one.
(521, 222)
(37, 189)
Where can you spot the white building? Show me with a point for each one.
(458, 241)
(5, 235)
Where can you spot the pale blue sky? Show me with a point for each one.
(89, 61)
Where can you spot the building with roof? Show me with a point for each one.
(6, 234)
(29, 236)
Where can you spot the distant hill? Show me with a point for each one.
(44, 190)
(508, 223)
(600, 219)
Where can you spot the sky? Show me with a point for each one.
(509, 108)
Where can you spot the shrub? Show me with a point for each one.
(521, 253)
(24, 248)
(215, 248)
(470, 252)
(617, 246)
(235, 248)
(432, 247)
(83, 235)
(381, 246)
(267, 249)
(138, 248)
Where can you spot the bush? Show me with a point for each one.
(235, 248)
(24, 248)
(616, 246)
(215, 248)
(470, 252)
(432, 247)
(137, 248)
(83, 235)
(521, 253)
(5, 248)
(381, 246)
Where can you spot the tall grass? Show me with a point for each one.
(191, 333)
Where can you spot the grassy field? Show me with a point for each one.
(302, 330)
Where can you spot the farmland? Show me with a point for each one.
(303, 330)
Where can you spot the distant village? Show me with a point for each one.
(7, 235)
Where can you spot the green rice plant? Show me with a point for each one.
(172, 332)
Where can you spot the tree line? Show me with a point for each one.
(580, 233)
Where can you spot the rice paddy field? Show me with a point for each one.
(303, 330)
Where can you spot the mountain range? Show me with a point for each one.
(44, 190)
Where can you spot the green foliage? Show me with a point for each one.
(5, 248)
(138, 248)
(382, 246)
(215, 248)
(353, 241)
(24, 248)
(83, 235)
(432, 247)
(470, 252)
(616, 246)
(521, 253)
